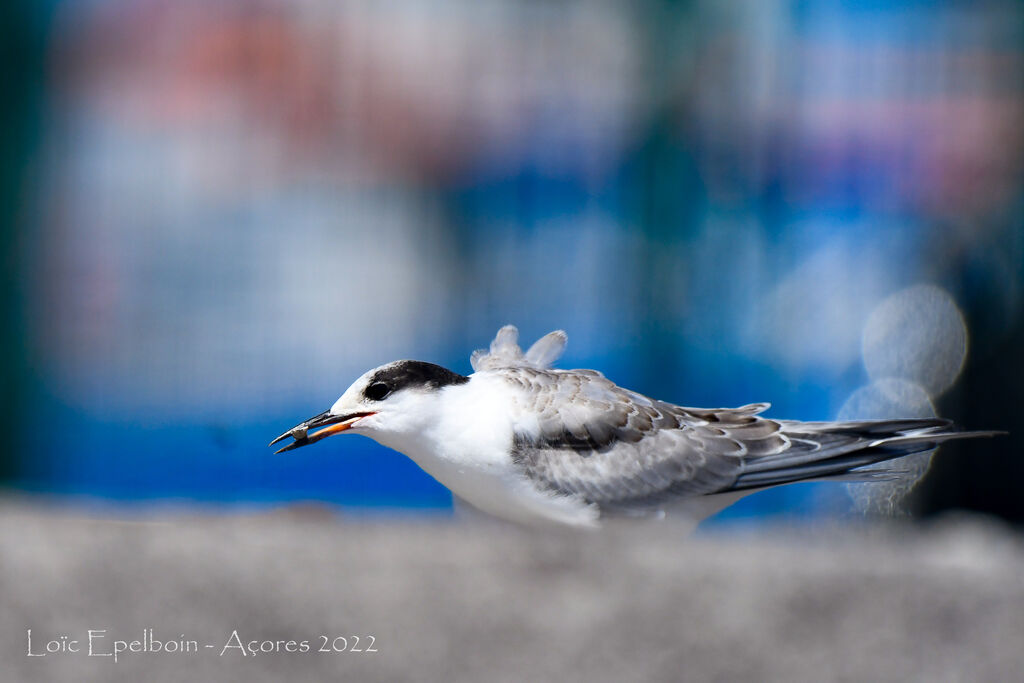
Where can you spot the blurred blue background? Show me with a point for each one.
(218, 215)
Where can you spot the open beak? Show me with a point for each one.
(332, 424)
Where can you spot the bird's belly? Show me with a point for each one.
(505, 493)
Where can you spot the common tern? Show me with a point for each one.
(527, 442)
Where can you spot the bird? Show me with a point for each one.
(524, 441)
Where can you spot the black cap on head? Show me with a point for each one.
(405, 374)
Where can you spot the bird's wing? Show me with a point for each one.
(578, 434)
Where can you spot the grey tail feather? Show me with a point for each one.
(869, 443)
(884, 427)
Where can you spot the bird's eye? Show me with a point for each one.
(377, 391)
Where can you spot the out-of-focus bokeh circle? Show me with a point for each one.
(917, 334)
(888, 398)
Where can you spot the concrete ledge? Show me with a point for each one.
(475, 601)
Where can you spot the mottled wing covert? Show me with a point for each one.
(579, 434)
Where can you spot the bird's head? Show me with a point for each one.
(393, 399)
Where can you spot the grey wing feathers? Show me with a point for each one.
(578, 434)
(837, 449)
(582, 435)
(644, 453)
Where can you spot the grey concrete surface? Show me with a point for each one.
(474, 601)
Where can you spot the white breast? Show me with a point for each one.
(467, 448)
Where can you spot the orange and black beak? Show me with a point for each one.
(332, 424)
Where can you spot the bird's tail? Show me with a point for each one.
(836, 450)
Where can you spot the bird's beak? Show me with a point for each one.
(332, 424)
